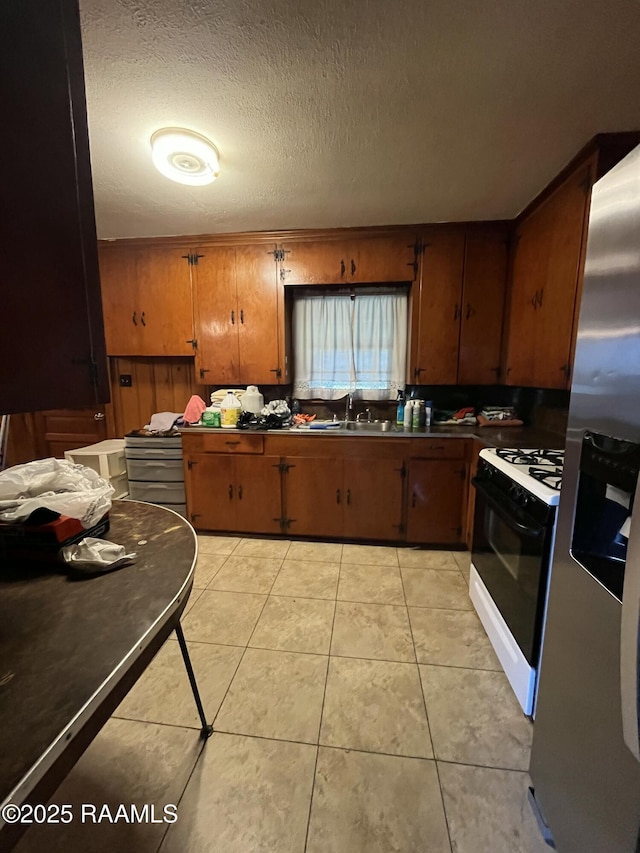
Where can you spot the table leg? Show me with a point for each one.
(207, 729)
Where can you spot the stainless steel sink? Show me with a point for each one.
(372, 426)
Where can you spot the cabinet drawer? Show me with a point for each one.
(156, 470)
(444, 448)
(157, 493)
(234, 443)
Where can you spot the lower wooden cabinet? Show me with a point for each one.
(233, 492)
(371, 489)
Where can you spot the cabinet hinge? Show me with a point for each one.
(277, 371)
(399, 527)
(193, 342)
(192, 258)
(284, 522)
(283, 273)
(194, 515)
(585, 183)
(463, 473)
(283, 467)
(190, 464)
(403, 472)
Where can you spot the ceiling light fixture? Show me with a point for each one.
(185, 156)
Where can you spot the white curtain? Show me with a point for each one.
(348, 344)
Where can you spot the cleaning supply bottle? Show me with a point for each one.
(408, 413)
(400, 409)
(230, 409)
(252, 400)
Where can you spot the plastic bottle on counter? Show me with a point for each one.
(428, 413)
(408, 413)
(400, 409)
(230, 409)
(416, 413)
(252, 400)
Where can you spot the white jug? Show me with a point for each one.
(229, 411)
(252, 400)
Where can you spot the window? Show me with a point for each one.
(350, 343)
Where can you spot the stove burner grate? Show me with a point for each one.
(531, 457)
(551, 477)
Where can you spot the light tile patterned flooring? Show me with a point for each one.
(358, 707)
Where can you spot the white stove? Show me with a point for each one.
(538, 471)
(517, 492)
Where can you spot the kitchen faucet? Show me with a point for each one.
(349, 409)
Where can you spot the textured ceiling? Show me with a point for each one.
(349, 112)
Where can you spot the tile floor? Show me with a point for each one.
(357, 704)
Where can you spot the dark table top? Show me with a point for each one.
(64, 644)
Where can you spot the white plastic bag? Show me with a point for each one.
(96, 555)
(58, 485)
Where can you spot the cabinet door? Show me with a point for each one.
(210, 486)
(52, 342)
(258, 493)
(163, 284)
(373, 498)
(437, 491)
(485, 271)
(434, 352)
(216, 317)
(382, 259)
(259, 327)
(568, 212)
(120, 301)
(315, 263)
(314, 496)
(146, 297)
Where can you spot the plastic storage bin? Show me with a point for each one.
(108, 459)
(154, 465)
(157, 493)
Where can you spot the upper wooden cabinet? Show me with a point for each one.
(457, 308)
(350, 261)
(146, 297)
(238, 316)
(547, 264)
(52, 343)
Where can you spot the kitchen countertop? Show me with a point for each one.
(524, 436)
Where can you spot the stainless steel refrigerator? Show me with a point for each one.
(585, 763)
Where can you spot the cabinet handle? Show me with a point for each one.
(348, 496)
(413, 500)
(540, 297)
(135, 319)
(242, 316)
(534, 300)
(456, 312)
(232, 443)
(233, 318)
(343, 269)
(337, 496)
(239, 493)
(468, 314)
(230, 492)
(142, 319)
(353, 267)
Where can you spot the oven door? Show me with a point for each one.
(511, 554)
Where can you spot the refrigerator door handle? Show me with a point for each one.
(630, 637)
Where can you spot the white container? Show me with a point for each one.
(252, 400)
(230, 409)
(105, 457)
(408, 414)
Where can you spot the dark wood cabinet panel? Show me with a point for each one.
(238, 327)
(483, 292)
(373, 259)
(544, 285)
(52, 344)
(215, 310)
(436, 310)
(437, 492)
(373, 498)
(210, 483)
(258, 493)
(233, 493)
(314, 496)
(146, 298)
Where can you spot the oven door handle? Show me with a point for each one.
(505, 510)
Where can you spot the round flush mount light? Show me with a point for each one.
(185, 156)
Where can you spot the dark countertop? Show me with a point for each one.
(524, 436)
(64, 644)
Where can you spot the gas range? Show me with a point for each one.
(537, 471)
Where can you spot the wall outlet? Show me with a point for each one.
(125, 380)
